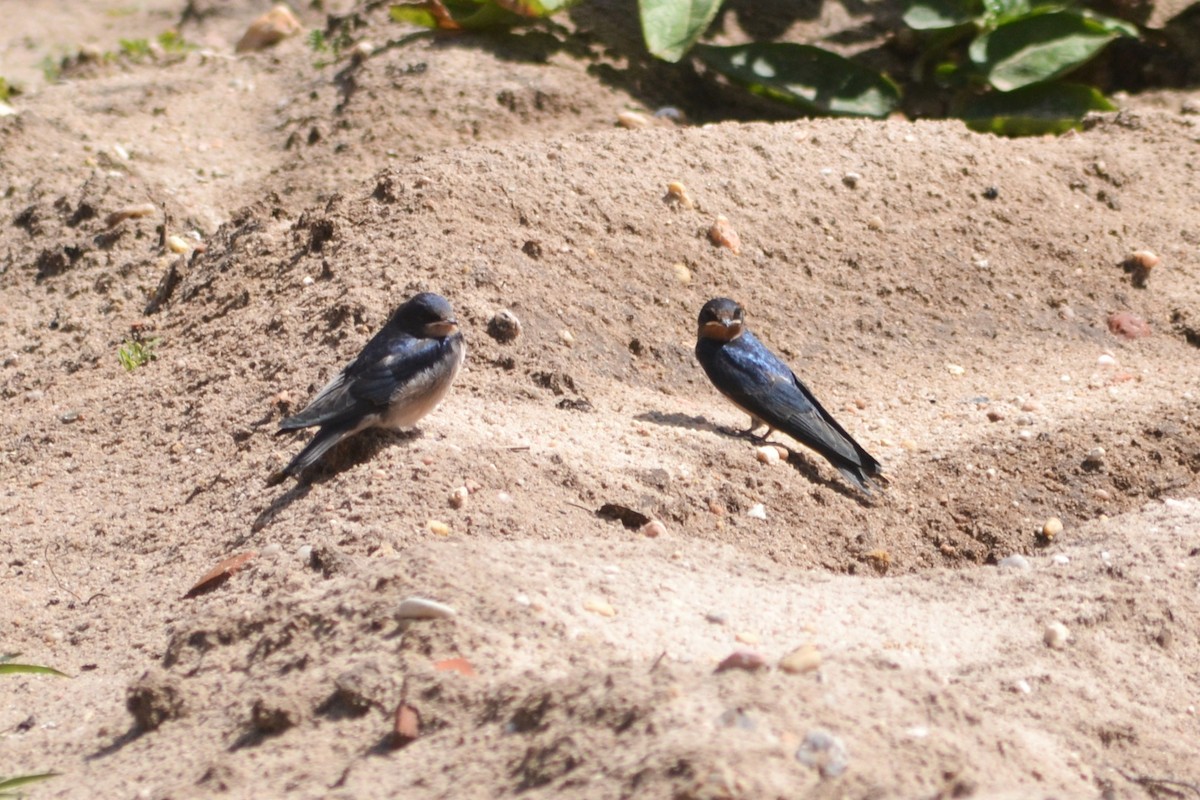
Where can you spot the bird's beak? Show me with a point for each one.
(440, 330)
(722, 330)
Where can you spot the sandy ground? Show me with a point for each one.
(950, 297)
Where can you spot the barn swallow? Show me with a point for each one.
(400, 376)
(756, 381)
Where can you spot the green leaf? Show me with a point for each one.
(928, 15)
(414, 15)
(671, 27)
(1039, 47)
(810, 78)
(1035, 110)
(999, 11)
(29, 669)
(12, 783)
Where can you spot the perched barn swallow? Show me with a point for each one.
(399, 377)
(756, 381)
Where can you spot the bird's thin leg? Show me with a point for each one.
(755, 424)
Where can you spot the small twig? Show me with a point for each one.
(657, 661)
(50, 566)
(1158, 784)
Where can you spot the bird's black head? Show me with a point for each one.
(722, 320)
(427, 315)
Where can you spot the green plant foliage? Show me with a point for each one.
(5, 90)
(809, 78)
(1015, 47)
(7, 785)
(169, 42)
(1041, 47)
(134, 354)
(1042, 108)
(671, 27)
(475, 14)
(928, 15)
(28, 669)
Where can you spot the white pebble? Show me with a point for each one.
(1106, 360)
(1061, 559)
(566, 337)
(955, 369)
(1023, 686)
(757, 511)
(308, 280)
(272, 550)
(458, 497)
(767, 454)
(1056, 636)
(423, 608)
(304, 552)
(1025, 434)
(1015, 562)
(523, 599)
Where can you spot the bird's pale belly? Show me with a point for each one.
(419, 397)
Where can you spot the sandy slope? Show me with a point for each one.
(964, 340)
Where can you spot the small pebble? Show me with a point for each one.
(1052, 527)
(1056, 636)
(1106, 360)
(742, 659)
(1025, 435)
(1128, 325)
(757, 511)
(1016, 562)
(851, 179)
(423, 608)
(875, 223)
(653, 529)
(722, 234)
(716, 618)
(130, 212)
(1061, 559)
(70, 416)
(678, 193)
(1032, 407)
(304, 553)
(955, 369)
(504, 326)
(438, 528)
(177, 244)
(682, 273)
(633, 120)
(566, 337)
(459, 497)
(767, 454)
(1143, 259)
(995, 415)
(273, 550)
(269, 29)
(1022, 686)
(805, 658)
(824, 752)
(1103, 494)
(601, 607)
(746, 637)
